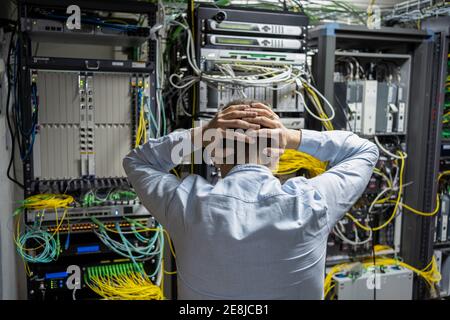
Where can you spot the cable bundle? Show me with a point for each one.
(46, 201)
(141, 133)
(314, 94)
(140, 249)
(291, 161)
(47, 247)
(122, 282)
(240, 75)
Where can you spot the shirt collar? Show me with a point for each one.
(250, 167)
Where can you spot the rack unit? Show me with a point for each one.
(411, 52)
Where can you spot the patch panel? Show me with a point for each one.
(79, 214)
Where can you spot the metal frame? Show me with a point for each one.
(440, 28)
(28, 63)
(416, 236)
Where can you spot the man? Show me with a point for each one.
(248, 236)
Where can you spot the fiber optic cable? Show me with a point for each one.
(291, 161)
(397, 201)
(48, 247)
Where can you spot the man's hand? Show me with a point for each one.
(287, 138)
(230, 118)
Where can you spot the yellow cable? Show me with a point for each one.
(397, 201)
(42, 202)
(421, 213)
(132, 286)
(141, 131)
(318, 105)
(403, 205)
(292, 161)
(175, 172)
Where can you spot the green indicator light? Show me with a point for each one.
(229, 25)
(235, 41)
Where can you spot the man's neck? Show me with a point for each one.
(226, 168)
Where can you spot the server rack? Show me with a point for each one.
(28, 62)
(420, 139)
(274, 28)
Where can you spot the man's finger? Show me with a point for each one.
(238, 124)
(263, 121)
(239, 114)
(235, 108)
(258, 105)
(262, 113)
(237, 135)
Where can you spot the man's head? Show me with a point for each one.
(248, 130)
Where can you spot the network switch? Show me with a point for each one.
(258, 28)
(212, 56)
(77, 214)
(255, 42)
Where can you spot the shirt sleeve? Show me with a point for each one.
(148, 166)
(351, 162)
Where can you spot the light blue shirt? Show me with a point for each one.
(248, 236)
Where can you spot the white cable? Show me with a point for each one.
(312, 114)
(377, 142)
(269, 77)
(262, 76)
(377, 198)
(355, 230)
(341, 236)
(323, 98)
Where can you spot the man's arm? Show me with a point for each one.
(147, 168)
(351, 160)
